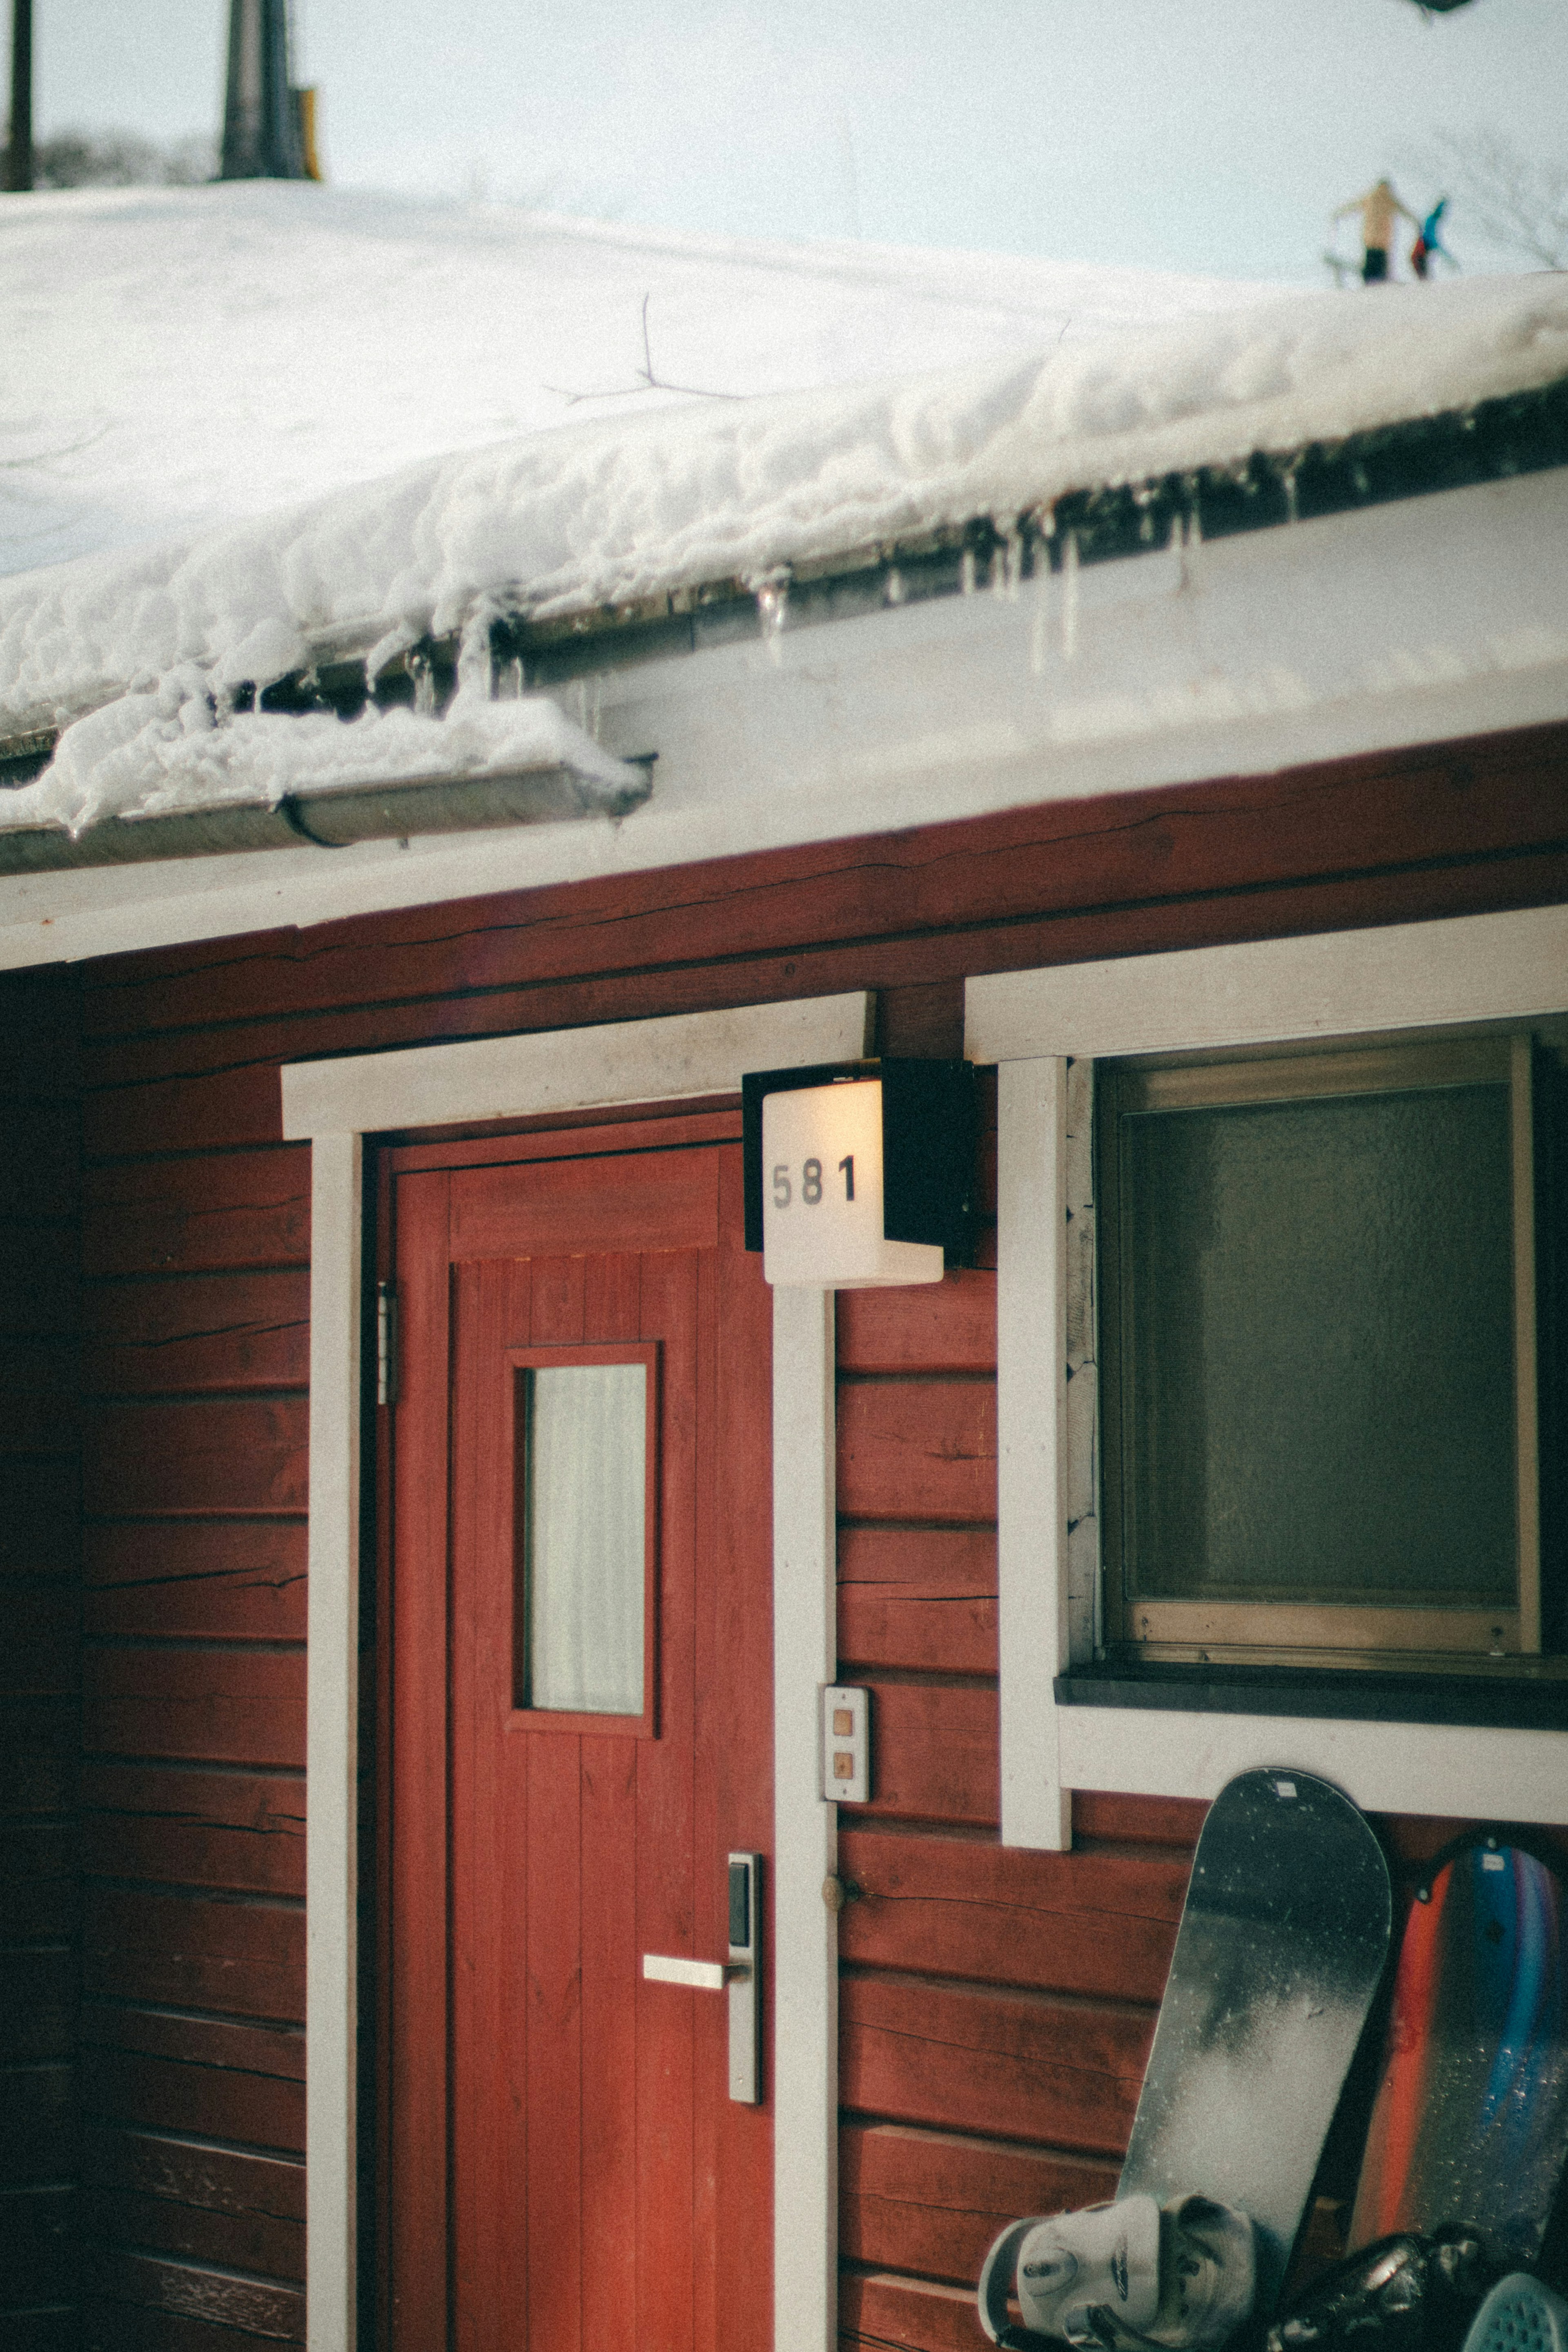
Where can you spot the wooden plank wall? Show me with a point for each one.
(996, 2005)
(195, 1315)
(40, 1535)
(195, 1253)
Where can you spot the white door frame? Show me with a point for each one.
(335, 1104)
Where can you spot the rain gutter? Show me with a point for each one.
(331, 820)
(1493, 441)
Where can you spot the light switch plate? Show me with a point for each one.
(846, 1744)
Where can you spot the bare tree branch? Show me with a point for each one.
(1517, 203)
(647, 380)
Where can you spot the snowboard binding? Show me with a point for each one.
(1403, 2293)
(1181, 2276)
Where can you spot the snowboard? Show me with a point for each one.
(1470, 2121)
(1283, 1940)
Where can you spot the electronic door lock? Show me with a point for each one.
(737, 1975)
(745, 1966)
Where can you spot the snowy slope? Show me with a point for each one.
(176, 358)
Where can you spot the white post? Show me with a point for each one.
(331, 1744)
(806, 1963)
(1031, 1445)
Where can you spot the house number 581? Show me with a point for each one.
(811, 1181)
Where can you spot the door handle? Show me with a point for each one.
(737, 1976)
(702, 1976)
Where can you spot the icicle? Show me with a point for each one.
(772, 595)
(476, 667)
(1189, 539)
(894, 588)
(966, 571)
(1041, 623)
(424, 678)
(1292, 512)
(1006, 563)
(386, 650)
(1069, 597)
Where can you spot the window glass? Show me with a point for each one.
(1318, 1337)
(584, 1537)
(1318, 1380)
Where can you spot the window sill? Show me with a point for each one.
(1513, 1700)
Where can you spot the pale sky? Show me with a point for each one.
(1207, 135)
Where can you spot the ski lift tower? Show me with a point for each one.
(16, 159)
(269, 123)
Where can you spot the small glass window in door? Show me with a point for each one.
(584, 1528)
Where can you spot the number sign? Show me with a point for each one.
(823, 1195)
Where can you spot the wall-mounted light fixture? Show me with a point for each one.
(859, 1174)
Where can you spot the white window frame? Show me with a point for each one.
(1034, 1024)
(335, 1104)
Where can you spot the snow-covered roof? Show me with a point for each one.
(620, 502)
(176, 359)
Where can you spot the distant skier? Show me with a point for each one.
(1429, 241)
(1377, 208)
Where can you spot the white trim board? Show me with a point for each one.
(1466, 1773)
(1333, 984)
(1344, 983)
(672, 1060)
(335, 1104)
(806, 1846)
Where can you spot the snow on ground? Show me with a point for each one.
(174, 359)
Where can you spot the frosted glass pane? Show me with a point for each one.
(585, 1474)
(1319, 1373)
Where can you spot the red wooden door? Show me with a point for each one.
(563, 2167)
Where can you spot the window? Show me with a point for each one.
(1318, 1341)
(585, 1460)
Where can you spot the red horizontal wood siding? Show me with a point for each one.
(1028, 886)
(996, 2005)
(244, 1830)
(193, 1258)
(917, 1450)
(238, 1210)
(216, 2204)
(932, 2201)
(192, 1580)
(913, 1597)
(1094, 1924)
(239, 1455)
(244, 1957)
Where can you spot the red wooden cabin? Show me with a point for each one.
(507, 1089)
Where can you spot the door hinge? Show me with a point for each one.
(386, 1343)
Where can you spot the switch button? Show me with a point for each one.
(846, 1744)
